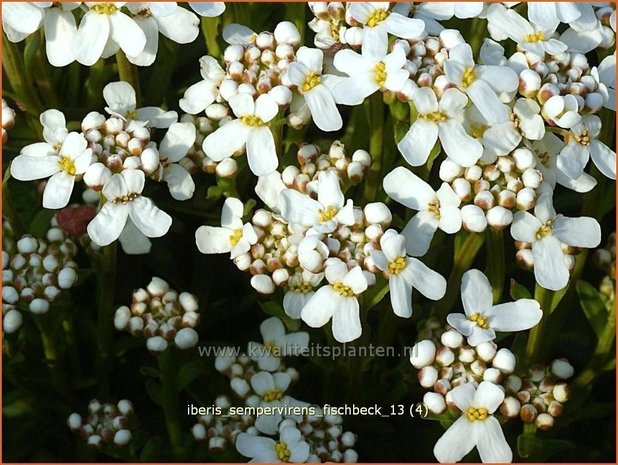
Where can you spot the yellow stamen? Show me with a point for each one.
(283, 453)
(311, 81)
(380, 70)
(480, 320)
(274, 394)
(545, 230)
(436, 117)
(583, 138)
(396, 266)
(235, 237)
(131, 115)
(476, 414)
(478, 130)
(272, 348)
(67, 165)
(377, 17)
(327, 214)
(534, 37)
(104, 8)
(252, 120)
(342, 289)
(126, 198)
(303, 287)
(468, 77)
(434, 208)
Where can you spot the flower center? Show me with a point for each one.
(342, 289)
(235, 237)
(436, 117)
(67, 165)
(303, 287)
(534, 37)
(274, 394)
(327, 214)
(583, 138)
(545, 230)
(477, 130)
(131, 115)
(380, 70)
(480, 320)
(104, 8)
(434, 207)
(543, 157)
(283, 453)
(476, 414)
(252, 120)
(396, 266)
(468, 77)
(126, 198)
(377, 17)
(311, 81)
(272, 348)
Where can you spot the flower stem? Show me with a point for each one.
(53, 360)
(545, 298)
(495, 261)
(375, 114)
(464, 256)
(210, 29)
(128, 72)
(167, 375)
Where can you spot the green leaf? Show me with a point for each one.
(531, 446)
(152, 450)
(33, 44)
(518, 291)
(189, 373)
(593, 306)
(273, 309)
(40, 223)
(150, 372)
(155, 392)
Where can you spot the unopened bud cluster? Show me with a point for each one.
(35, 272)
(448, 362)
(161, 315)
(538, 397)
(8, 120)
(105, 424)
(327, 439)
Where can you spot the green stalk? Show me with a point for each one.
(44, 79)
(464, 256)
(171, 401)
(375, 114)
(128, 72)
(210, 29)
(545, 298)
(495, 261)
(53, 360)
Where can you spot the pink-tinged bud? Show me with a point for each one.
(467, 354)
(484, 200)
(427, 376)
(442, 386)
(544, 421)
(529, 83)
(510, 408)
(493, 375)
(434, 402)
(528, 413)
(473, 218)
(555, 408)
(546, 92)
(526, 199)
(445, 356)
(96, 176)
(499, 217)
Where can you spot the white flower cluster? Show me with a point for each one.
(114, 155)
(8, 120)
(105, 425)
(35, 272)
(261, 379)
(161, 315)
(104, 27)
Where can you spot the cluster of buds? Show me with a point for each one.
(448, 362)
(539, 396)
(106, 424)
(490, 192)
(161, 315)
(605, 258)
(35, 272)
(8, 120)
(329, 26)
(328, 442)
(221, 432)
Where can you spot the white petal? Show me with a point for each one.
(225, 141)
(408, 189)
(22, 17)
(261, 151)
(480, 335)
(181, 27)
(28, 168)
(356, 280)
(321, 307)
(353, 90)
(127, 34)
(573, 159)
(91, 38)
(456, 442)
(272, 329)
(428, 282)
(487, 102)
(298, 208)
(177, 141)
(323, 109)
(208, 9)
(148, 218)
(312, 58)
(58, 190)
(254, 446)
(515, 316)
(294, 302)
(419, 232)
(577, 232)
(106, 227)
(550, 271)
(492, 445)
(198, 96)
(462, 324)
(266, 107)
(231, 214)
(210, 240)
(73, 146)
(179, 182)
(463, 395)
(458, 145)
(156, 117)
(604, 158)
(500, 78)
(133, 241)
(476, 293)
(349, 62)
(406, 28)
(418, 142)
(450, 219)
(488, 395)
(60, 30)
(525, 226)
(148, 55)
(346, 320)
(329, 190)
(120, 97)
(401, 296)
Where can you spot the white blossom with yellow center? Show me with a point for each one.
(276, 344)
(290, 447)
(301, 287)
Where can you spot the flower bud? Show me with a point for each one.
(378, 213)
(434, 402)
(528, 413)
(450, 170)
(67, 278)
(240, 386)
(529, 83)
(282, 95)
(39, 306)
(286, 33)
(427, 376)
(499, 217)
(561, 392)
(473, 218)
(466, 354)
(27, 245)
(12, 321)
(122, 437)
(544, 421)
(199, 432)
(452, 339)
(186, 338)
(263, 284)
(445, 356)
(493, 375)
(505, 361)
(561, 368)
(121, 318)
(423, 353)
(156, 344)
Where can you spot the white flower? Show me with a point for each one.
(174, 22)
(537, 40)
(251, 128)
(306, 74)
(378, 22)
(173, 148)
(435, 209)
(200, 95)
(607, 75)
(270, 389)
(103, 30)
(338, 301)
(481, 82)
(208, 9)
(125, 203)
(546, 231)
(277, 344)
(444, 121)
(549, 15)
(405, 273)
(20, 19)
(323, 214)
(121, 101)
(232, 236)
(301, 287)
(477, 427)
(290, 447)
(432, 12)
(39, 161)
(482, 319)
(582, 145)
(369, 72)
(562, 111)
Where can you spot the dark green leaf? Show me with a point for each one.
(155, 391)
(189, 373)
(593, 306)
